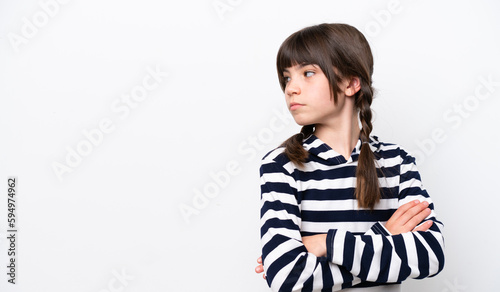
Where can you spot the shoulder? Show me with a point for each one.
(276, 160)
(277, 155)
(389, 150)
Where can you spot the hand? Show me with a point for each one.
(408, 216)
(315, 244)
(260, 268)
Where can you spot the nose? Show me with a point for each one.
(292, 88)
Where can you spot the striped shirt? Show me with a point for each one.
(318, 198)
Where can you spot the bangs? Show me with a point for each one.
(295, 50)
(304, 47)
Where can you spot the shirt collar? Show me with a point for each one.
(318, 148)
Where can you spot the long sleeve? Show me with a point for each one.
(289, 267)
(392, 258)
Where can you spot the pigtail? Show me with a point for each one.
(367, 189)
(293, 145)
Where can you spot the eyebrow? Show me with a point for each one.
(300, 67)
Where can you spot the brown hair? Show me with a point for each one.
(344, 48)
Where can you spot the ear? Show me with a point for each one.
(353, 86)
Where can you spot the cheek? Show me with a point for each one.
(324, 98)
(323, 93)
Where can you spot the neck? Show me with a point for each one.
(341, 133)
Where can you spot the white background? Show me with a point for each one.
(204, 128)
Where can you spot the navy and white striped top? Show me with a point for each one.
(319, 198)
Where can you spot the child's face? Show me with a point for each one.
(308, 95)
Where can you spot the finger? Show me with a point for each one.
(411, 213)
(264, 276)
(259, 269)
(424, 226)
(417, 218)
(259, 260)
(403, 208)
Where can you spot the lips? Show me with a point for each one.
(295, 105)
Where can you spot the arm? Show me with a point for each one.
(391, 258)
(405, 219)
(289, 266)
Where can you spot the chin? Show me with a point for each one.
(301, 122)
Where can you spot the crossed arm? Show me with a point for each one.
(405, 219)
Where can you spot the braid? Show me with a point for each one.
(363, 103)
(293, 146)
(367, 188)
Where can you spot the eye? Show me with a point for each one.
(286, 79)
(308, 73)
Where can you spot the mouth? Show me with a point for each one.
(295, 105)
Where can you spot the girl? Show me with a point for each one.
(340, 208)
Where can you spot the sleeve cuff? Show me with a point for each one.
(378, 228)
(330, 236)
